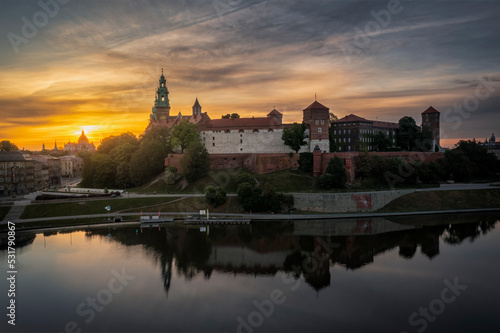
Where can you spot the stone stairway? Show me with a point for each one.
(16, 211)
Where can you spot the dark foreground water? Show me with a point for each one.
(432, 274)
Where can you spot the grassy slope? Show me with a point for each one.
(88, 207)
(283, 181)
(445, 200)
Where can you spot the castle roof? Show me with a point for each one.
(351, 118)
(275, 112)
(254, 122)
(196, 104)
(385, 124)
(316, 106)
(431, 110)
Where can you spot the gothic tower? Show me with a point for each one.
(316, 117)
(430, 118)
(161, 109)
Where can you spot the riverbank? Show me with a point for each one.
(418, 203)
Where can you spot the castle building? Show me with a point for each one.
(353, 133)
(83, 144)
(243, 135)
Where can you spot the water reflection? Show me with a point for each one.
(303, 248)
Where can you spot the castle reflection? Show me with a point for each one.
(303, 248)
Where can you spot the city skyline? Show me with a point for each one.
(69, 65)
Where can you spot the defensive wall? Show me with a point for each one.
(265, 163)
(352, 202)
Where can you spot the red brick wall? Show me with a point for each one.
(258, 163)
(265, 163)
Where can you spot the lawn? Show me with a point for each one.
(88, 207)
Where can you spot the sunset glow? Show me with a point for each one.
(95, 66)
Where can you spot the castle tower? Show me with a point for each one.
(276, 115)
(316, 117)
(161, 109)
(430, 118)
(196, 108)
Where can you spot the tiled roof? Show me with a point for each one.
(260, 122)
(274, 112)
(351, 118)
(431, 110)
(316, 106)
(12, 156)
(385, 124)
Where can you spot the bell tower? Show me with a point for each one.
(161, 110)
(196, 108)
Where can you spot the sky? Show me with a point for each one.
(68, 65)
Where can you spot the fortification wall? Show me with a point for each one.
(346, 202)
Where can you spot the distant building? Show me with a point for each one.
(71, 166)
(16, 173)
(492, 145)
(53, 167)
(243, 135)
(83, 144)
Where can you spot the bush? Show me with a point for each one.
(171, 176)
(215, 195)
(244, 178)
(306, 162)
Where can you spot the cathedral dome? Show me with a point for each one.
(83, 138)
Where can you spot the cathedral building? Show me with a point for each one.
(251, 135)
(83, 144)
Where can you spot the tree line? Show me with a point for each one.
(125, 161)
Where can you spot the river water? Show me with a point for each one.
(425, 274)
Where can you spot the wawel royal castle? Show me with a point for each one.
(262, 135)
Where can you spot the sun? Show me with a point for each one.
(88, 129)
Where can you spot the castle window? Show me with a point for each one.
(256, 131)
(213, 144)
(241, 149)
(317, 122)
(319, 129)
(241, 135)
(334, 131)
(241, 141)
(322, 122)
(213, 138)
(241, 131)
(349, 131)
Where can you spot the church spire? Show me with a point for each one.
(196, 107)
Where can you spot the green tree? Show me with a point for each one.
(306, 162)
(196, 162)
(111, 143)
(381, 142)
(215, 195)
(104, 171)
(171, 176)
(408, 133)
(6, 145)
(335, 175)
(184, 134)
(234, 115)
(295, 136)
(226, 116)
(147, 162)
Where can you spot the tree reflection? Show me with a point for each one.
(268, 248)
